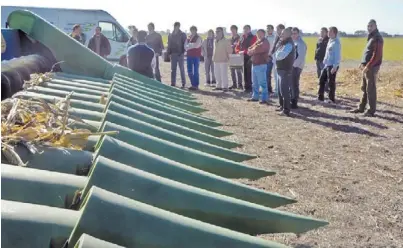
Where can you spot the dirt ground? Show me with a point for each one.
(341, 167)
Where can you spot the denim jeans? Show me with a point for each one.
(193, 70)
(269, 70)
(259, 73)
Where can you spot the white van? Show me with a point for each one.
(65, 19)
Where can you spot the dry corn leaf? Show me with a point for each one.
(33, 123)
(27, 134)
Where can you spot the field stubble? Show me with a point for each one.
(341, 167)
(352, 48)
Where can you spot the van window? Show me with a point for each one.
(113, 32)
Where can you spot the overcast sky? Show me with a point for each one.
(308, 15)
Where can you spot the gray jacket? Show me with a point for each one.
(176, 43)
(301, 48)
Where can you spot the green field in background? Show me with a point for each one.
(352, 48)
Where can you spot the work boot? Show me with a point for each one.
(369, 114)
(357, 111)
(285, 113)
(233, 87)
(279, 109)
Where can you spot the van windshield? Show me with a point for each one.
(113, 32)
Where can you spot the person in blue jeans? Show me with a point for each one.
(193, 47)
(259, 53)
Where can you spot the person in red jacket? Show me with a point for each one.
(247, 40)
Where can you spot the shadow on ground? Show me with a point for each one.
(312, 116)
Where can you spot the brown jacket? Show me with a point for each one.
(105, 48)
(222, 50)
(259, 52)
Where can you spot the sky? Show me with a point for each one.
(308, 15)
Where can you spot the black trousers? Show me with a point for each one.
(247, 73)
(326, 76)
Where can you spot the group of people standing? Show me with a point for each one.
(98, 42)
(281, 53)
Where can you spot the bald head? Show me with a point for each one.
(286, 33)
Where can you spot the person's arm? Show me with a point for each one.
(337, 54)
(185, 41)
(90, 44)
(229, 48)
(254, 40)
(237, 47)
(108, 47)
(301, 51)
(284, 51)
(196, 44)
(161, 43)
(263, 47)
(129, 58)
(154, 62)
(169, 45)
(204, 48)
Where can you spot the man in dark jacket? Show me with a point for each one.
(100, 44)
(279, 30)
(247, 40)
(176, 50)
(370, 65)
(154, 40)
(285, 57)
(320, 50)
(140, 57)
